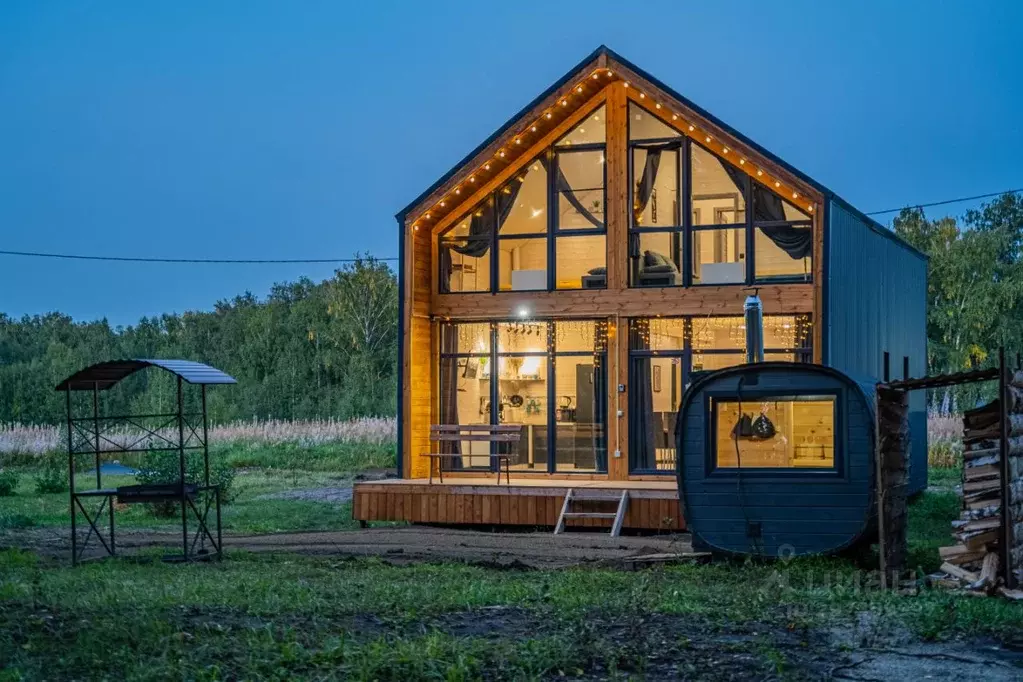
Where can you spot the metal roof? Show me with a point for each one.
(104, 375)
(611, 54)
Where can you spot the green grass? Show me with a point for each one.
(332, 457)
(945, 477)
(285, 617)
(249, 512)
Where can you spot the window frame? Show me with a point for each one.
(687, 229)
(556, 232)
(713, 471)
(551, 354)
(681, 220)
(686, 353)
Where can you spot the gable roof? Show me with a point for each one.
(604, 57)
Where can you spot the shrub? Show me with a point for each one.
(8, 482)
(164, 467)
(53, 477)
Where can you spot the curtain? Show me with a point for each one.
(481, 231)
(645, 187)
(797, 242)
(449, 393)
(562, 187)
(641, 428)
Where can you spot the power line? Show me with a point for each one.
(947, 201)
(293, 261)
(132, 259)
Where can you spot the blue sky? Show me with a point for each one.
(256, 129)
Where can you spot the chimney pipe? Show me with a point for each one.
(753, 311)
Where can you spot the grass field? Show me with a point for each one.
(284, 616)
(259, 616)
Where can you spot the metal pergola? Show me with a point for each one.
(97, 436)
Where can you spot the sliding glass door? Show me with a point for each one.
(548, 377)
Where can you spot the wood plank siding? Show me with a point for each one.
(602, 80)
(474, 503)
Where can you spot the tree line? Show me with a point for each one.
(974, 288)
(308, 350)
(329, 349)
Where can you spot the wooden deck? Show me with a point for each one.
(532, 502)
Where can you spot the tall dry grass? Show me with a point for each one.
(25, 441)
(944, 440)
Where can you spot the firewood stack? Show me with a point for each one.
(973, 561)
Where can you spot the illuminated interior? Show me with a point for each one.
(665, 354)
(529, 357)
(775, 432)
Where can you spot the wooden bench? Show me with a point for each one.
(455, 433)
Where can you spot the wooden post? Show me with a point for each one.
(892, 480)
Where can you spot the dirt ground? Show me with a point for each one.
(687, 648)
(396, 545)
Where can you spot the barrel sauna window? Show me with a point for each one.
(775, 432)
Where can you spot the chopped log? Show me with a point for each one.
(983, 524)
(981, 540)
(975, 472)
(975, 514)
(959, 573)
(1015, 595)
(989, 571)
(984, 504)
(960, 554)
(983, 485)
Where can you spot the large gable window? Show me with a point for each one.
(690, 223)
(544, 229)
(655, 169)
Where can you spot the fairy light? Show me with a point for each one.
(549, 115)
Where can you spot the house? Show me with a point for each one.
(575, 271)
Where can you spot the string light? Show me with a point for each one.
(549, 115)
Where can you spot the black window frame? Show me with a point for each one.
(687, 229)
(685, 354)
(837, 468)
(554, 233)
(682, 221)
(551, 354)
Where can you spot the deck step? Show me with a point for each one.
(593, 496)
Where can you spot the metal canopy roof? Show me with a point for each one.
(104, 375)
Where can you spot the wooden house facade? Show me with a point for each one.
(574, 273)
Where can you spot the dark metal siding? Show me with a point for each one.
(877, 302)
(800, 511)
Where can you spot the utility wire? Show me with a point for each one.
(265, 261)
(947, 201)
(128, 259)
